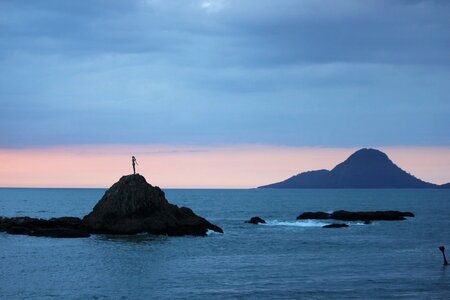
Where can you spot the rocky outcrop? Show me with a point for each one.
(130, 206)
(343, 215)
(335, 225)
(256, 220)
(314, 216)
(134, 206)
(65, 227)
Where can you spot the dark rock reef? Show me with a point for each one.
(65, 227)
(366, 216)
(256, 220)
(133, 206)
(130, 206)
(335, 225)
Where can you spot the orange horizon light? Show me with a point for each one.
(243, 166)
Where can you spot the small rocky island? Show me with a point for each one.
(366, 216)
(256, 220)
(130, 206)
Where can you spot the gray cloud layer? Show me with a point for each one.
(304, 72)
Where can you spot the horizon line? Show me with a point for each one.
(197, 167)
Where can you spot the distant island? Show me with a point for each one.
(366, 168)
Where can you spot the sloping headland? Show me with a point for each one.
(366, 168)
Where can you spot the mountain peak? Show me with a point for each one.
(366, 168)
(366, 159)
(368, 154)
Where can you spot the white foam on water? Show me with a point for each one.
(211, 232)
(301, 223)
(358, 223)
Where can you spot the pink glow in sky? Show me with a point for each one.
(195, 167)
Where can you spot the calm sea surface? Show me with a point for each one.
(284, 259)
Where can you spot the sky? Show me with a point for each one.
(255, 85)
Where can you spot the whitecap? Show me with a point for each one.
(211, 232)
(301, 223)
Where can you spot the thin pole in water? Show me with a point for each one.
(442, 248)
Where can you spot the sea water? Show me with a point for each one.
(284, 259)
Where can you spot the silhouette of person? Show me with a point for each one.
(134, 162)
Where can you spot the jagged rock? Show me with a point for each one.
(319, 215)
(130, 206)
(133, 206)
(371, 216)
(335, 225)
(256, 220)
(343, 215)
(69, 222)
(18, 230)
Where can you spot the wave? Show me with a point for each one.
(301, 223)
(308, 223)
(211, 232)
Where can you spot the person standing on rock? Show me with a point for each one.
(134, 162)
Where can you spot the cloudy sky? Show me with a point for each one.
(212, 75)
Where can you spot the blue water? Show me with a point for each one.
(283, 259)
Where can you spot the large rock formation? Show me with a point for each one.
(133, 206)
(366, 168)
(130, 206)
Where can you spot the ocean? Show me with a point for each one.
(284, 259)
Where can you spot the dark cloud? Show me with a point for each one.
(256, 32)
(301, 72)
